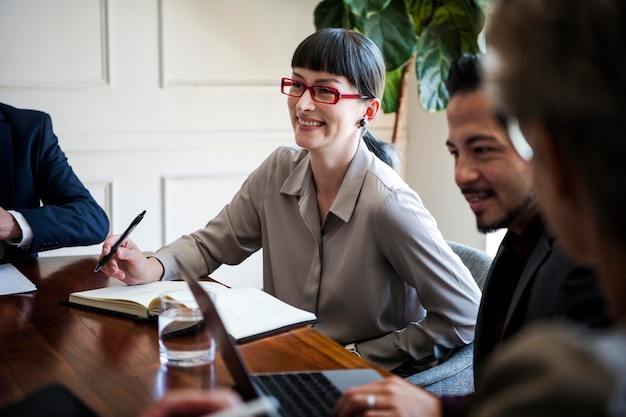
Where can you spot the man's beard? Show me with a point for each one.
(509, 217)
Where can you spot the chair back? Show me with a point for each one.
(477, 261)
(455, 376)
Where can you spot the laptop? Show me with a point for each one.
(311, 393)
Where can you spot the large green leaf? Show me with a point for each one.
(366, 8)
(467, 19)
(436, 48)
(441, 30)
(331, 14)
(421, 12)
(392, 30)
(393, 86)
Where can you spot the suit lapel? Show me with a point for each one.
(489, 310)
(537, 258)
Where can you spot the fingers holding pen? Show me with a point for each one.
(121, 258)
(123, 261)
(128, 263)
(111, 267)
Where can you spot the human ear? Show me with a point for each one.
(373, 106)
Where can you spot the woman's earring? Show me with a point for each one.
(362, 123)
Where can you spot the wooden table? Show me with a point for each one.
(112, 363)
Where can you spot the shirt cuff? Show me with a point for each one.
(351, 347)
(27, 232)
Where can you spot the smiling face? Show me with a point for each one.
(496, 182)
(321, 127)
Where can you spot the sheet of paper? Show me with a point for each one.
(12, 281)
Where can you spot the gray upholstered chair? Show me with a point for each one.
(455, 376)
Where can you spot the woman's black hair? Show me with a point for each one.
(353, 55)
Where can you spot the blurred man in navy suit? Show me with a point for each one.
(43, 204)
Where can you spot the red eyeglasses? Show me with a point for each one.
(319, 93)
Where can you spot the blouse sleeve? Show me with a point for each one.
(416, 249)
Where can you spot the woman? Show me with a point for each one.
(342, 235)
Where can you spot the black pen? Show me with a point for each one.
(117, 244)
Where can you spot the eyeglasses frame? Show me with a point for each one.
(338, 94)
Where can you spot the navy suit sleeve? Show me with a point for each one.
(69, 216)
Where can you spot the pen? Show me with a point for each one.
(262, 405)
(117, 244)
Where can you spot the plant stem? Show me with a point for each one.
(395, 136)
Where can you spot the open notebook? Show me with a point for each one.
(298, 393)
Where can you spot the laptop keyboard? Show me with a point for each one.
(301, 394)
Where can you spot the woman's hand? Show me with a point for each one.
(129, 264)
(393, 396)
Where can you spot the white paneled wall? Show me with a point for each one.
(166, 105)
(65, 43)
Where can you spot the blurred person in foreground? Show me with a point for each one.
(556, 66)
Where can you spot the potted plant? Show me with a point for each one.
(430, 32)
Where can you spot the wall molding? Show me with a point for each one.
(125, 141)
(17, 80)
(227, 56)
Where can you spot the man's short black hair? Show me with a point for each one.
(464, 75)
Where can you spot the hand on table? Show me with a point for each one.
(393, 396)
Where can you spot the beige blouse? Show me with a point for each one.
(379, 273)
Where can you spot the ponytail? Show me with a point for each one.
(385, 151)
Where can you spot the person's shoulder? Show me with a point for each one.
(386, 175)
(19, 117)
(390, 189)
(389, 194)
(8, 110)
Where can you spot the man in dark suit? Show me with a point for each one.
(43, 204)
(531, 279)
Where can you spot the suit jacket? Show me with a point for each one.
(37, 181)
(550, 287)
